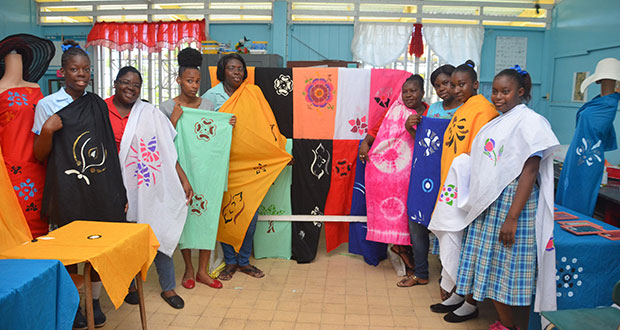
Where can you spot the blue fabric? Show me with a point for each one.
(243, 257)
(217, 95)
(36, 294)
(165, 270)
(426, 169)
(373, 252)
(587, 268)
(585, 160)
(436, 110)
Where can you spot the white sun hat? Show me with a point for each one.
(607, 68)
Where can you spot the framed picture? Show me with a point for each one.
(563, 216)
(613, 235)
(584, 229)
(578, 78)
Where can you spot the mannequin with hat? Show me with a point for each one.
(24, 59)
(585, 160)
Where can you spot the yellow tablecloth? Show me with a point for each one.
(121, 251)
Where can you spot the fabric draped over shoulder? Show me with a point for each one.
(215, 81)
(277, 86)
(257, 156)
(84, 180)
(314, 102)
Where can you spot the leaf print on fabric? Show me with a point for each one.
(270, 210)
(589, 153)
(456, 131)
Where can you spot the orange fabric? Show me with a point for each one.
(462, 130)
(13, 226)
(118, 255)
(215, 81)
(257, 156)
(314, 102)
(118, 123)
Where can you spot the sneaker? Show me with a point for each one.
(99, 316)
(80, 320)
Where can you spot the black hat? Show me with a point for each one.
(37, 53)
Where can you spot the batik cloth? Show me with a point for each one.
(344, 157)
(257, 156)
(387, 178)
(277, 86)
(585, 160)
(148, 163)
(16, 139)
(425, 170)
(83, 180)
(372, 252)
(385, 87)
(351, 122)
(487, 268)
(13, 226)
(314, 102)
(272, 239)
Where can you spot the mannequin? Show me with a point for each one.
(12, 77)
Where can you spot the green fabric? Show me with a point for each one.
(203, 144)
(590, 318)
(272, 239)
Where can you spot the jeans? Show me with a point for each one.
(243, 257)
(165, 270)
(420, 242)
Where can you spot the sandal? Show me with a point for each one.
(227, 273)
(252, 271)
(409, 281)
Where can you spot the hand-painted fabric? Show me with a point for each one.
(385, 86)
(372, 252)
(311, 180)
(215, 81)
(314, 102)
(344, 158)
(387, 178)
(351, 122)
(272, 239)
(436, 110)
(425, 170)
(277, 86)
(83, 180)
(257, 156)
(148, 163)
(583, 167)
(463, 127)
(13, 226)
(16, 138)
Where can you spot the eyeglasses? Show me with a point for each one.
(235, 68)
(128, 83)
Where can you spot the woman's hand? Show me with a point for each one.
(508, 231)
(233, 121)
(52, 124)
(176, 114)
(189, 192)
(363, 152)
(412, 122)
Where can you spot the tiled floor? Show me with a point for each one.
(336, 291)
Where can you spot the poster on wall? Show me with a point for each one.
(578, 78)
(510, 51)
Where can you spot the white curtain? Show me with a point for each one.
(380, 44)
(455, 44)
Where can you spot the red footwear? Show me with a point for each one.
(189, 283)
(216, 284)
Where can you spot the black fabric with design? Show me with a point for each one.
(83, 179)
(277, 86)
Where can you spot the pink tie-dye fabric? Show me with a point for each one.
(385, 86)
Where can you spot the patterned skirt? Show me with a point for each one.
(487, 269)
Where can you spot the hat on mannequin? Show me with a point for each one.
(607, 68)
(37, 53)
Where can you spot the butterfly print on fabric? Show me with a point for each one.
(88, 157)
(205, 129)
(589, 153)
(456, 131)
(233, 208)
(146, 162)
(383, 97)
(319, 164)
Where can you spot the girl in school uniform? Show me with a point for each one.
(441, 79)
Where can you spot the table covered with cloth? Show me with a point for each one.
(36, 294)
(587, 267)
(117, 251)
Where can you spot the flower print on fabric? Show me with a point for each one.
(430, 142)
(383, 96)
(26, 189)
(270, 210)
(392, 208)
(198, 205)
(448, 194)
(489, 150)
(319, 92)
(588, 153)
(343, 167)
(146, 162)
(205, 129)
(89, 158)
(568, 277)
(390, 155)
(283, 85)
(456, 131)
(359, 125)
(17, 99)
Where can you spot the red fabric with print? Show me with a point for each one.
(340, 193)
(17, 141)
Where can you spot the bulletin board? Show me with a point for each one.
(510, 51)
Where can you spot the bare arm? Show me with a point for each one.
(43, 142)
(365, 147)
(176, 114)
(189, 192)
(411, 124)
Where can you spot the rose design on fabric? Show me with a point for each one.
(489, 150)
(88, 157)
(392, 208)
(198, 204)
(146, 162)
(205, 129)
(448, 194)
(233, 208)
(17, 99)
(319, 92)
(26, 189)
(318, 168)
(343, 167)
(359, 125)
(391, 156)
(567, 277)
(456, 131)
(589, 153)
(283, 85)
(430, 142)
(383, 96)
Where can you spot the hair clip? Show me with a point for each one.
(517, 68)
(66, 47)
(469, 65)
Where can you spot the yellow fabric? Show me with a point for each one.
(257, 156)
(13, 226)
(462, 130)
(215, 81)
(118, 255)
